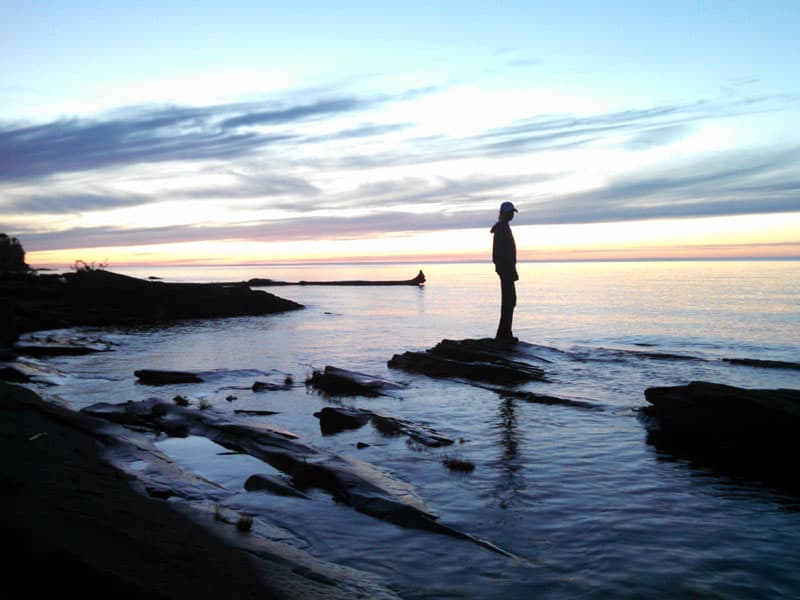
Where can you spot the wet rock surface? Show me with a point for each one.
(745, 433)
(353, 482)
(546, 399)
(274, 484)
(473, 359)
(341, 382)
(333, 420)
(75, 522)
(715, 412)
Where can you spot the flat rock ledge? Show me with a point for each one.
(353, 482)
(75, 522)
(341, 382)
(726, 421)
(473, 359)
(333, 420)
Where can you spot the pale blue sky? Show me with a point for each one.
(150, 123)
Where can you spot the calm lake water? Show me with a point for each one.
(590, 507)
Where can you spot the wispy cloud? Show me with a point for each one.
(730, 184)
(294, 113)
(70, 204)
(155, 134)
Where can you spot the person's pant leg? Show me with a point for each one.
(508, 300)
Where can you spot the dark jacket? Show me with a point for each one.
(504, 250)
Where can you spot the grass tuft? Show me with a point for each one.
(458, 464)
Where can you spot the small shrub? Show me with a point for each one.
(81, 265)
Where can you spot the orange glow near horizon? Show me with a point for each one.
(752, 236)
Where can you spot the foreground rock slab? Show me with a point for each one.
(473, 359)
(715, 413)
(75, 525)
(350, 481)
(746, 433)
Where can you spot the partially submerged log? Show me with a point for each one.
(158, 377)
(480, 360)
(419, 280)
(341, 382)
(336, 419)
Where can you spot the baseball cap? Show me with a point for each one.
(507, 207)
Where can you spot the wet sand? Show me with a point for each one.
(73, 524)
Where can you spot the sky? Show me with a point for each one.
(267, 132)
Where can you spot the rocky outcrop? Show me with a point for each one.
(722, 416)
(13, 375)
(341, 382)
(748, 434)
(336, 419)
(350, 481)
(97, 297)
(480, 360)
(274, 484)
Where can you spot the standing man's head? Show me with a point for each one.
(507, 211)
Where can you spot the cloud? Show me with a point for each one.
(243, 185)
(728, 184)
(71, 203)
(651, 126)
(308, 228)
(271, 117)
(147, 134)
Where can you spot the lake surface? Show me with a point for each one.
(587, 504)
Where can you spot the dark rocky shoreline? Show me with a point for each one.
(35, 302)
(72, 523)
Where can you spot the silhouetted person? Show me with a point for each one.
(504, 256)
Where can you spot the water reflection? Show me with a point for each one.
(734, 472)
(511, 480)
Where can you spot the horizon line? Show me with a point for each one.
(378, 262)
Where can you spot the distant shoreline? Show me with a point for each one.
(406, 262)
